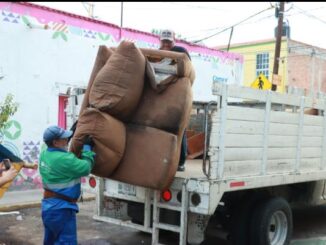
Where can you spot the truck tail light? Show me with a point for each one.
(92, 182)
(166, 195)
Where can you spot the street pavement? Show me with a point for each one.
(309, 227)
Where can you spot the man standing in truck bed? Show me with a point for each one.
(167, 38)
(61, 171)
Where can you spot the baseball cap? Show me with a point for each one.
(167, 35)
(55, 132)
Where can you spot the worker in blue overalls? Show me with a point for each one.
(61, 172)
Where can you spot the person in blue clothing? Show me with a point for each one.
(167, 38)
(61, 171)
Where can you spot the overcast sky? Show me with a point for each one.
(198, 20)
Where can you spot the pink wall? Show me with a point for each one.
(62, 122)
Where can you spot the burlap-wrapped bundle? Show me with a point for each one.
(109, 136)
(139, 120)
(119, 84)
(103, 54)
(149, 158)
(169, 110)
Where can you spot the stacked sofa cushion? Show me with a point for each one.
(136, 124)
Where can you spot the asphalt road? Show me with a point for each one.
(26, 229)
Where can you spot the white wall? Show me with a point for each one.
(38, 67)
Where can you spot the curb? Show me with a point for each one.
(8, 208)
(34, 204)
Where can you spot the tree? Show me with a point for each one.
(7, 109)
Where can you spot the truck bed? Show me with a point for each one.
(193, 170)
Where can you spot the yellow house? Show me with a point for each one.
(259, 58)
(302, 67)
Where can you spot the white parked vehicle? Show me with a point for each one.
(263, 156)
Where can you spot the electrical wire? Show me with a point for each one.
(305, 12)
(217, 28)
(225, 29)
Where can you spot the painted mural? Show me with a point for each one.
(61, 29)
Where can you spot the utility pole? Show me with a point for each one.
(121, 19)
(278, 42)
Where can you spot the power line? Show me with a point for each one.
(314, 9)
(225, 29)
(305, 12)
(218, 28)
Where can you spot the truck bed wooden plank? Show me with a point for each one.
(280, 166)
(245, 154)
(258, 115)
(254, 94)
(256, 128)
(255, 141)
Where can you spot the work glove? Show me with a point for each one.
(87, 147)
(89, 141)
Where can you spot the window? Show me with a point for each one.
(262, 64)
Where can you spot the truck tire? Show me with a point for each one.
(271, 223)
(241, 219)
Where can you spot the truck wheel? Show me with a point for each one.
(271, 223)
(241, 218)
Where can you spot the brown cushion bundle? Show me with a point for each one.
(109, 136)
(103, 55)
(149, 155)
(119, 84)
(136, 123)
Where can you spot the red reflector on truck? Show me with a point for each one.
(237, 184)
(92, 182)
(166, 195)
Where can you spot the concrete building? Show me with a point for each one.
(302, 66)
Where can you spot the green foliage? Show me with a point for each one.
(7, 109)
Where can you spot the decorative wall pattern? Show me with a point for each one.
(10, 17)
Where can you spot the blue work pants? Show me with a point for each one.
(60, 227)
